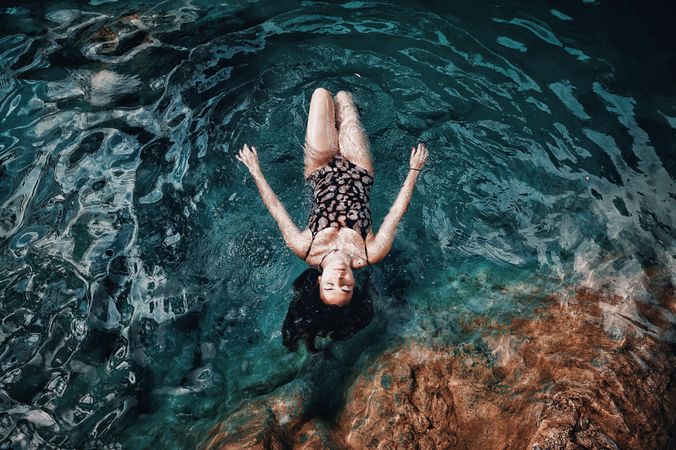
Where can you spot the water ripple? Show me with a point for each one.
(142, 284)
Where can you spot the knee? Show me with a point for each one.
(344, 97)
(321, 92)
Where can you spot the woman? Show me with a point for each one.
(338, 167)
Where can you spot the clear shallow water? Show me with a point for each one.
(143, 285)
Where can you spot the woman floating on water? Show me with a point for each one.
(338, 167)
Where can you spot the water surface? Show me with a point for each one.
(143, 285)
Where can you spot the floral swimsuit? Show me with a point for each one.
(341, 192)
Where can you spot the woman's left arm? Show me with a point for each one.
(294, 238)
(381, 244)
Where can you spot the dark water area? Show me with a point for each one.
(143, 284)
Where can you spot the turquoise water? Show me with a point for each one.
(143, 285)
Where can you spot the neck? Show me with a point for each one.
(336, 255)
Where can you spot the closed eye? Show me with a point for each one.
(327, 288)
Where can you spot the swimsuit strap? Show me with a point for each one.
(308, 249)
(327, 254)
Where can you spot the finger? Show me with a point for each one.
(254, 149)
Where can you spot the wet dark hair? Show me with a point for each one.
(308, 316)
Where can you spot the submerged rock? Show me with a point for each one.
(313, 435)
(266, 423)
(556, 381)
(252, 427)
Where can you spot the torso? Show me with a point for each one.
(345, 239)
(340, 217)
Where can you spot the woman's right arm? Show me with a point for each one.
(296, 240)
(381, 244)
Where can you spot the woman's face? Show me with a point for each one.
(336, 284)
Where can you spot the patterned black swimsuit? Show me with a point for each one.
(341, 192)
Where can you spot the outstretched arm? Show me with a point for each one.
(295, 240)
(381, 244)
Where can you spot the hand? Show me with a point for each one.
(418, 156)
(249, 157)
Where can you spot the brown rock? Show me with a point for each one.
(270, 422)
(314, 435)
(252, 427)
(556, 382)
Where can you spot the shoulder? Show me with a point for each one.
(300, 244)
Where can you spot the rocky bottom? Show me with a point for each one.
(555, 381)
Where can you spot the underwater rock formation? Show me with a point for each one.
(555, 381)
(265, 423)
(253, 427)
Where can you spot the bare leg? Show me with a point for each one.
(321, 138)
(353, 141)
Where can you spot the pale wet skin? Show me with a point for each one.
(337, 281)
(143, 283)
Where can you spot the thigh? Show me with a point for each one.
(321, 137)
(352, 139)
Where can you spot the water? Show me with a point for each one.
(143, 285)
